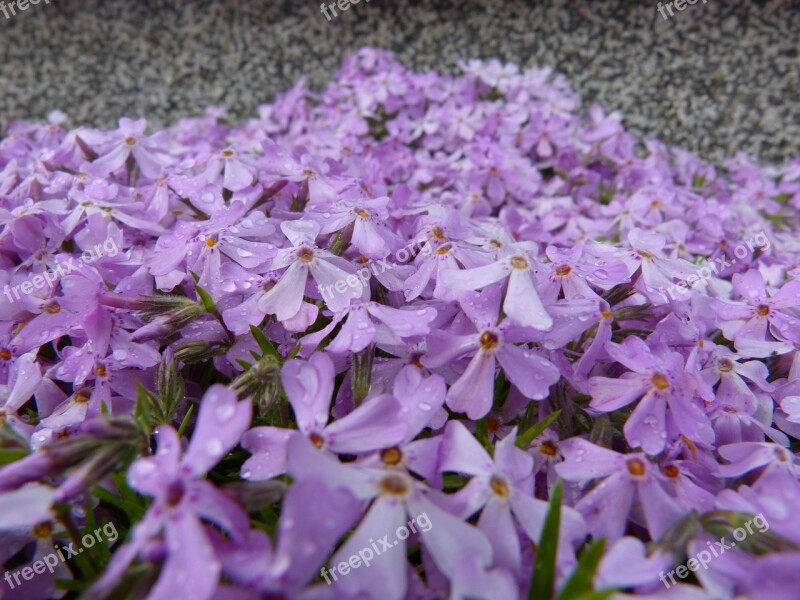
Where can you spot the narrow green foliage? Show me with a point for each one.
(524, 439)
(580, 582)
(544, 565)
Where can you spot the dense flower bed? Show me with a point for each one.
(414, 336)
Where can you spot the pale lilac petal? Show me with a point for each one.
(286, 297)
(607, 506)
(375, 424)
(386, 576)
(456, 282)
(268, 447)
(444, 347)
(585, 461)
(356, 333)
(473, 393)
(220, 425)
(26, 506)
(449, 538)
(403, 323)
(530, 373)
(421, 397)
(462, 453)
(523, 304)
(498, 526)
(646, 425)
(237, 175)
(309, 386)
(610, 394)
(213, 505)
(327, 275)
(191, 570)
(313, 519)
(151, 475)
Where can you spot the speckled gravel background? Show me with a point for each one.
(716, 78)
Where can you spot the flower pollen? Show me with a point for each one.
(660, 382)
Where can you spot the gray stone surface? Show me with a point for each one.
(716, 78)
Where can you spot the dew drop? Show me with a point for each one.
(214, 447)
(225, 411)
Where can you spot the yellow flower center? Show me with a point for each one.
(660, 382)
(636, 467)
(548, 448)
(519, 262)
(42, 530)
(725, 365)
(392, 456)
(305, 254)
(500, 486)
(394, 485)
(563, 270)
(489, 340)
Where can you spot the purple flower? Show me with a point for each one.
(608, 505)
(182, 499)
(490, 342)
(659, 381)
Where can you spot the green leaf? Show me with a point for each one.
(185, 421)
(128, 501)
(70, 585)
(524, 439)
(263, 342)
(100, 550)
(783, 198)
(244, 364)
(9, 456)
(580, 583)
(482, 434)
(454, 481)
(143, 409)
(206, 299)
(598, 595)
(544, 566)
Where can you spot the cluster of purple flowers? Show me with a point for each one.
(247, 422)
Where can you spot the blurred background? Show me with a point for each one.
(716, 78)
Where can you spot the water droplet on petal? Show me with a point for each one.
(225, 411)
(214, 447)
